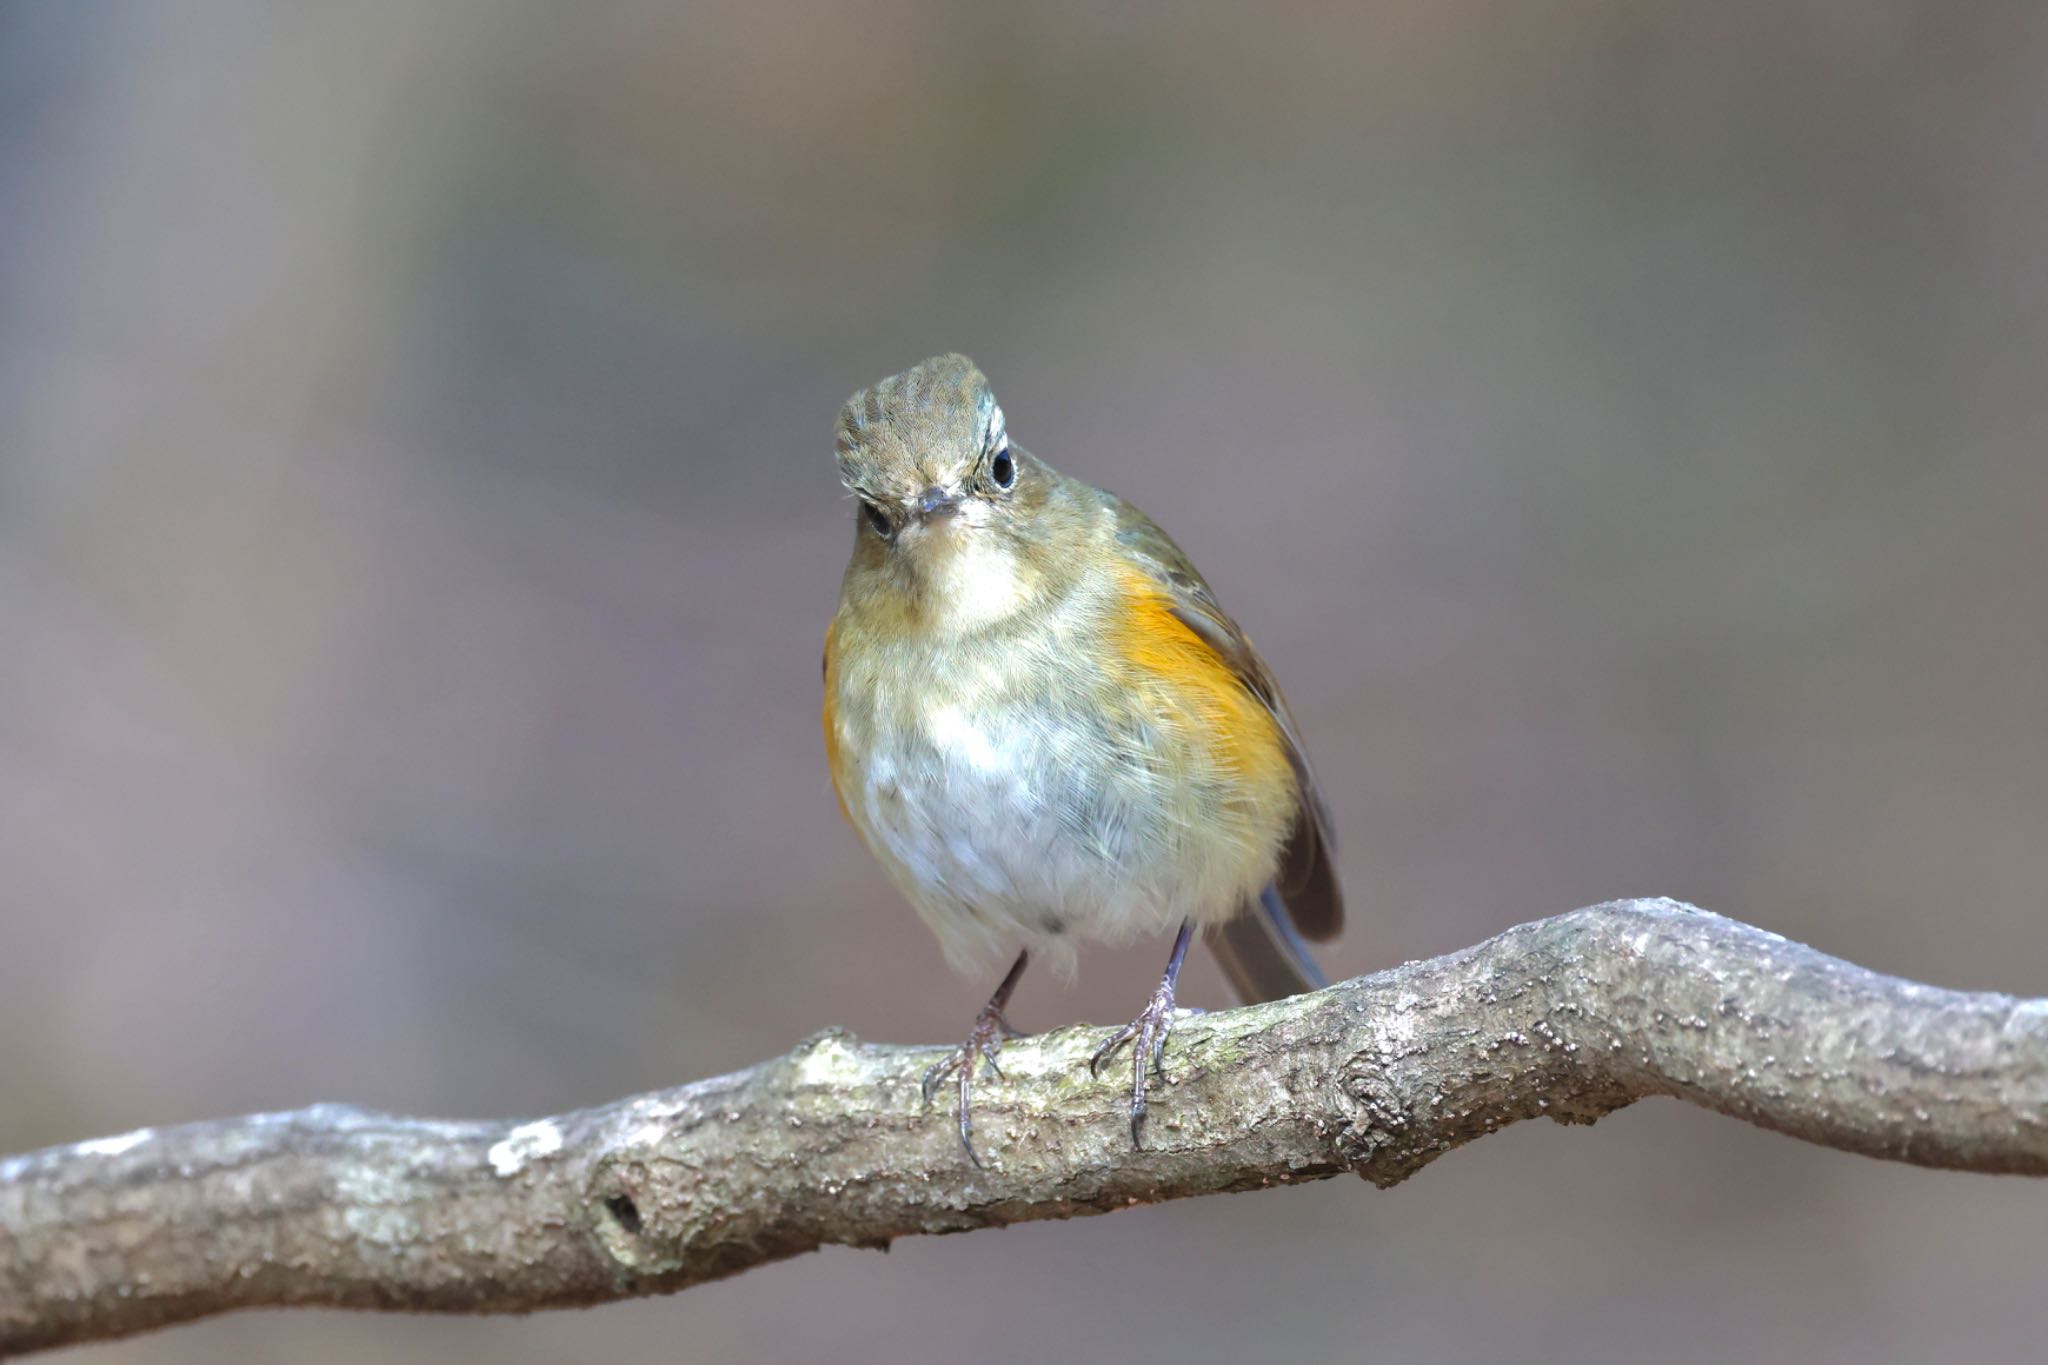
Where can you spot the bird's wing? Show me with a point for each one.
(1305, 895)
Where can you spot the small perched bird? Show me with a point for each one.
(1041, 721)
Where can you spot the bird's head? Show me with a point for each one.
(951, 513)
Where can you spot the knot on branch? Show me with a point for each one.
(1375, 1121)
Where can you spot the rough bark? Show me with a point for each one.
(1568, 1018)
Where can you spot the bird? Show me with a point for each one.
(1043, 724)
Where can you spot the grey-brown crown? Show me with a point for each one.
(925, 427)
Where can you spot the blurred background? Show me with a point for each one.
(1619, 424)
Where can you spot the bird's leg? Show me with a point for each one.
(1147, 1033)
(987, 1035)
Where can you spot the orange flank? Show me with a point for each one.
(832, 730)
(1197, 689)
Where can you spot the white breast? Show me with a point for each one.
(984, 818)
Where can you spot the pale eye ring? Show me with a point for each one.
(1002, 468)
(877, 519)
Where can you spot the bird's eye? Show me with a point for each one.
(877, 519)
(1003, 469)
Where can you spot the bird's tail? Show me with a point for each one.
(1263, 954)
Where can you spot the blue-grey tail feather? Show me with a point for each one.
(1263, 954)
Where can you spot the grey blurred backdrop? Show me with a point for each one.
(1620, 425)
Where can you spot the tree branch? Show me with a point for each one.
(1568, 1018)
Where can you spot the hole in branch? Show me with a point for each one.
(622, 1208)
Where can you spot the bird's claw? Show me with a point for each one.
(982, 1043)
(1147, 1036)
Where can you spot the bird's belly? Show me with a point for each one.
(1019, 825)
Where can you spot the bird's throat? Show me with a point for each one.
(970, 577)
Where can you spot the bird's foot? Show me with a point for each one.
(1147, 1036)
(983, 1041)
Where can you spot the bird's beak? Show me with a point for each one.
(935, 502)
